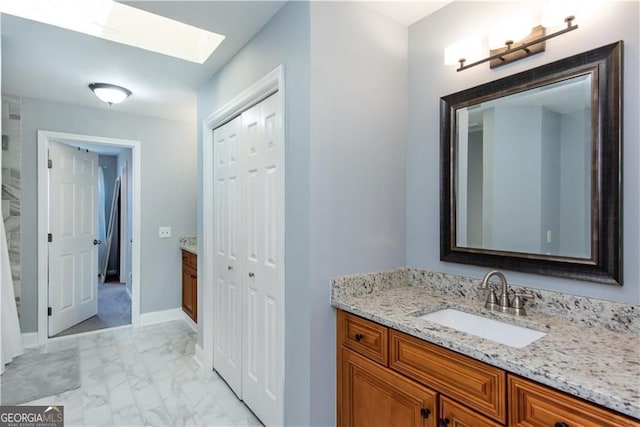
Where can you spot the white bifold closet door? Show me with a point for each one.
(227, 320)
(249, 247)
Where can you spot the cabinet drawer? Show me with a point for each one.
(189, 259)
(480, 386)
(365, 337)
(454, 414)
(533, 405)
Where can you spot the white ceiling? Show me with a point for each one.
(406, 12)
(46, 62)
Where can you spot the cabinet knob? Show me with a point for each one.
(561, 424)
(444, 422)
(425, 412)
(229, 268)
(97, 242)
(252, 275)
(359, 337)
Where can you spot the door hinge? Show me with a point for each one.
(49, 164)
(50, 237)
(48, 311)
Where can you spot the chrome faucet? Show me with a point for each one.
(503, 303)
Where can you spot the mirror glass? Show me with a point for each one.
(523, 171)
(530, 172)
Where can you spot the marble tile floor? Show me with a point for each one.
(145, 376)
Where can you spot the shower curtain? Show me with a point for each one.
(11, 339)
(102, 228)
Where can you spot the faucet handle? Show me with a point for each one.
(517, 305)
(492, 298)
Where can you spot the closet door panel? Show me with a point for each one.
(264, 199)
(228, 261)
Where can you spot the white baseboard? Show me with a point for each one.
(190, 322)
(161, 316)
(199, 355)
(30, 339)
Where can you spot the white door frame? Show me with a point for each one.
(43, 217)
(268, 85)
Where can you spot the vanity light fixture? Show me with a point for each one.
(111, 94)
(514, 51)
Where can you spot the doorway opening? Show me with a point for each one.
(114, 258)
(88, 262)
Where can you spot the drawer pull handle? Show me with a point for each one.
(359, 337)
(561, 424)
(444, 422)
(425, 412)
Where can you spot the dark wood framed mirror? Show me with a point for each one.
(530, 170)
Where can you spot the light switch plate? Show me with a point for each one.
(164, 232)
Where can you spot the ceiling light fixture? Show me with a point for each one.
(111, 94)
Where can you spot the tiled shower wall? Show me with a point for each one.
(11, 189)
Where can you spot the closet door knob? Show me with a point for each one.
(251, 275)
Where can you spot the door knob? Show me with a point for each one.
(96, 241)
(229, 268)
(251, 275)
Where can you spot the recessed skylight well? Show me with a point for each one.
(120, 23)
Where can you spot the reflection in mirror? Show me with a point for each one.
(530, 172)
(523, 170)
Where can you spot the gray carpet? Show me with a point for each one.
(35, 375)
(114, 309)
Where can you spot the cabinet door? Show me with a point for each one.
(188, 301)
(452, 414)
(371, 395)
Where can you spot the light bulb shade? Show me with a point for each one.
(111, 94)
(516, 29)
(469, 49)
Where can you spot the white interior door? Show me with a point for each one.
(73, 224)
(228, 262)
(263, 279)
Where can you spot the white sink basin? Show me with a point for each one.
(494, 330)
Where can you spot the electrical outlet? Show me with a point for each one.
(164, 232)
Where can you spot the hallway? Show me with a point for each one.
(145, 376)
(114, 309)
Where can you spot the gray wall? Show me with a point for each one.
(429, 80)
(358, 133)
(168, 192)
(344, 169)
(284, 40)
(516, 178)
(575, 184)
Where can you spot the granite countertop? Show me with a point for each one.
(189, 244)
(595, 363)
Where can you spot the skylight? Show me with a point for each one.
(120, 23)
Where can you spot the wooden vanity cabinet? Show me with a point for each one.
(190, 284)
(380, 384)
(387, 378)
